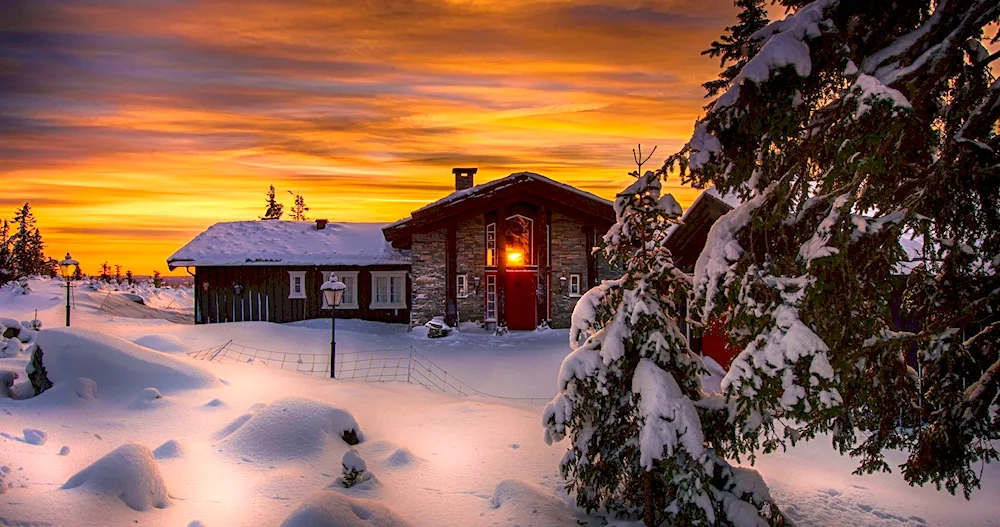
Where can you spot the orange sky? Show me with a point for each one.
(133, 125)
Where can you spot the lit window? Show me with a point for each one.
(388, 290)
(350, 298)
(518, 237)
(296, 284)
(574, 285)
(462, 285)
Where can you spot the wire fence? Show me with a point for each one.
(400, 365)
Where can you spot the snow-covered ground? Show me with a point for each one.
(233, 444)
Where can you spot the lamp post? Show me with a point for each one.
(67, 274)
(333, 291)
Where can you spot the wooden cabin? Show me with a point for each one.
(271, 271)
(515, 252)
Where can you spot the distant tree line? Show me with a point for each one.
(22, 251)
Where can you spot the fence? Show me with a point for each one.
(406, 365)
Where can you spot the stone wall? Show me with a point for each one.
(568, 257)
(428, 270)
(471, 243)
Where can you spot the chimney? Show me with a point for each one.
(320, 224)
(463, 177)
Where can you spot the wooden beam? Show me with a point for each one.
(451, 271)
(589, 236)
(540, 257)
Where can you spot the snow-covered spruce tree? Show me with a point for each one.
(274, 209)
(629, 393)
(863, 138)
(6, 260)
(27, 250)
(299, 207)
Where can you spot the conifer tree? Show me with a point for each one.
(863, 140)
(128, 277)
(6, 262)
(105, 275)
(734, 48)
(157, 279)
(630, 394)
(118, 274)
(26, 246)
(299, 208)
(274, 209)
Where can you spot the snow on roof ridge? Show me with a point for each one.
(262, 242)
(461, 194)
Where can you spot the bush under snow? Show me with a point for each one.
(128, 473)
(331, 508)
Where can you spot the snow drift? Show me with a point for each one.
(128, 473)
(119, 368)
(288, 429)
(331, 508)
(530, 505)
(162, 342)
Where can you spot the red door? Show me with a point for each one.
(519, 290)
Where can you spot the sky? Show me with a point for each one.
(133, 125)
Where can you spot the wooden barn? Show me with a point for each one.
(271, 271)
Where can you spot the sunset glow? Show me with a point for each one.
(132, 126)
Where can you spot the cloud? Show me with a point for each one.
(181, 112)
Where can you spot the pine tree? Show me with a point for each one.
(737, 44)
(6, 260)
(157, 279)
(26, 246)
(630, 394)
(274, 209)
(118, 274)
(299, 208)
(849, 130)
(77, 273)
(128, 277)
(105, 273)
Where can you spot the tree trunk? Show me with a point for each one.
(649, 507)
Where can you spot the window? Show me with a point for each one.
(491, 297)
(296, 284)
(491, 244)
(462, 285)
(350, 298)
(388, 290)
(574, 285)
(518, 238)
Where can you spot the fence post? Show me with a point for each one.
(409, 364)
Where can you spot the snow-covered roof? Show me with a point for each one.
(729, 199)
(496, 184)
(272, 242)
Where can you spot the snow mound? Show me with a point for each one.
(162, 342)
(401, 457)
(330, 508)
(35, 437)
(148, 398)
(238, 422)
(129, 473)
(119, 367)
(291, 428)
(215, 403)
(170, 449)
(528, 504)
(64, 451)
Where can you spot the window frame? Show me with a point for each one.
(399, 275)
(352, 288)
(301, 275)
(462, 285)
(579, 286)
(490, 313)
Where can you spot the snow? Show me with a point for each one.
(35, 437)
(703, 146)
(331, 508)
(867, 89)
(164, 342)
(275, 242)
(441, 460)
(783, 44)
(128, 473)
(669, 418)
(352, 461)
(290, 429)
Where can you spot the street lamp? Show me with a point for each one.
(65, 267)
(333, 290)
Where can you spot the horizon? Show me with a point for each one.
(133, 128)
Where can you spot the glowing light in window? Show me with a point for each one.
(515, 258)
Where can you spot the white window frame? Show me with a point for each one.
(462, 285)
(578, 279)
(398, 275)
(292, 275)
(351, 288)
(491, 297)
(491, 245)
